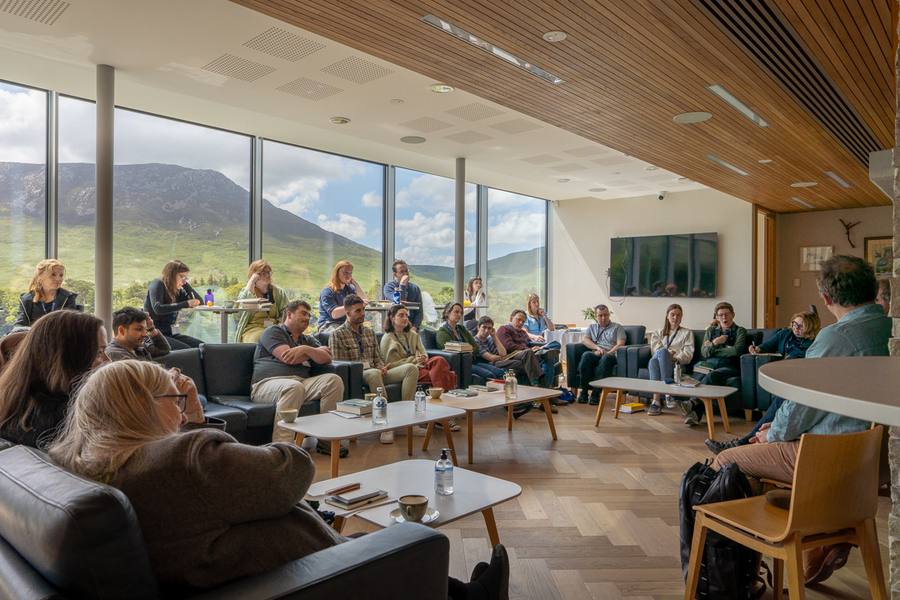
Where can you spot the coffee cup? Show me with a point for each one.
(370, 397)
(435, 392)
(288, 415)
(413, 507)
(229, 303)
(373, 303)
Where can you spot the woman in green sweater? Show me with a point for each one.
(450, 331)
(259, 285)
(401, 345)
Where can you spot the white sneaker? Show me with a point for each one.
(670, 402)
(387, 437)
(419, 431)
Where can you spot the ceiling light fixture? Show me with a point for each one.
(563, 180)
(488, 47)
(764, 161)
(802, 203)
(555, 36)
(837, 179)
(396, 101)
(684, 180)
(412, 139)
(727, 165)
(652, 168)
(340, 120)
(737, 105)
(597, 190)
(692, 117)
(804, 184)
(440, 88)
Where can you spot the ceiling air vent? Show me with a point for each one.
(283, 44)
(357, 70)
(42, 11)
(238, 68)
(767, 37)
(468, 137)
(426, 124)
(515, 126)
(474, 112)
(310, 89)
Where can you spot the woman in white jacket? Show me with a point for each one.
(669, 345)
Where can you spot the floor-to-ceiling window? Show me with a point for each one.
(517, 251)
(23, 156)
(424, 225)
(320, 209)
(181, 192)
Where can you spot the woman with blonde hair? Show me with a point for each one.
(536, 318)
(331, 300)
(212, 510)
(167, 295)
(792, 341)
(259, 285)
(45, 293)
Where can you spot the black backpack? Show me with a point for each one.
(727, 569)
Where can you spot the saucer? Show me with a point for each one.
(430, 515)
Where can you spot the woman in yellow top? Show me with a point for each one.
(259, 285)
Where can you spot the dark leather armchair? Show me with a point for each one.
(64, 536)
(634, 334)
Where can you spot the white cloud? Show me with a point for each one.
(22, 118)
(416, 255)
(431, 231)
(372, 199)
(433, 193)
(517, 228)
(345, 225)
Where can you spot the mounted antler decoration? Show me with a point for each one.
(848, 227)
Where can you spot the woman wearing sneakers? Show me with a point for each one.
(670, 345)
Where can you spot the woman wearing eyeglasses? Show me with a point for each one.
(259, 285)
(167, 295)
(793, 341)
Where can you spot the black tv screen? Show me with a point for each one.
(664, 266)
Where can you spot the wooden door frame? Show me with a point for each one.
(769, 254)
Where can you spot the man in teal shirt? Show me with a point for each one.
(848, 286)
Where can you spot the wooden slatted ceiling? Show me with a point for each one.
(629, 68)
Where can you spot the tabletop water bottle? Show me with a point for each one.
(511, 385)
(209, 299)
(420, 400)
(379, 408)
(397, 296)
(677, 373)
(443, 474)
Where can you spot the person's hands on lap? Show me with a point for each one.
(762, 436)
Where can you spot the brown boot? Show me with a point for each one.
(820, 563)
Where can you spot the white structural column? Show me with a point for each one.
(459, 261)
(103, 273)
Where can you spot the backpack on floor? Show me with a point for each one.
(727, 568)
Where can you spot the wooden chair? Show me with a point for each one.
(834, 500)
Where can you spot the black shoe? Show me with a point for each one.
(716, 447)
(540, 407)
(595, 400)
(494, 581)
(521, 409)
(582, 398)
(478, 571)
(325, 448)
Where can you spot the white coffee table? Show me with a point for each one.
(473, 492)
(332, 428)
(705, 393)
(489, 400)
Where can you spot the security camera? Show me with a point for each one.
(661, 195)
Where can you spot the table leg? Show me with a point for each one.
(335, 456)
(707, 402)
(509, 416)
(449, 435)
(224, 327)
(724, 414)
(491, 524)
(427, 439)
(603, 394)
(338, 524)
(545, 402)
(298, 438)
(471, 421)
(620, 394)
(409, 441)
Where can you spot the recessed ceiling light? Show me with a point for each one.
(555, 36)
(727, 165)
(692, 117)
(652, 168)
(764, 161)
(412, 139)
(802, 203)
(804, 184)
(396, 101)
(737, 105)
(597, 190)
(625, 155)
(684, 180)
(440, 88)
(616, 173)
(562, 181)
(340, 120)
(837, 179)
(462, 34)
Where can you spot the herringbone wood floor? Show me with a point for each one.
(598, 514)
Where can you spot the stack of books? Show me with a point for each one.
(356, 498)
(483, 388)
(463, 393)
(457, 347)
(356, 407)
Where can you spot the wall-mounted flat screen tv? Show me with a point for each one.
(664, 266)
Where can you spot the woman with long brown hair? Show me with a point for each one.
(168, 294)
(331, 300)
(259, 285)
(45, 293)
(35, 384)
(671, 345)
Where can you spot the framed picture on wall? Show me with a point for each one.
(812, 257)
(880, 252)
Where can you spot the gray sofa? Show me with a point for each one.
(66, 537)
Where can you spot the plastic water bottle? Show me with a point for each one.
(396, 296)
(443, 474)
(379, 408)
(209, 299)
(677, 373)
(420, 401)
(511, 385)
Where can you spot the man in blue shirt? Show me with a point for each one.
(848, 286)
(409, 292)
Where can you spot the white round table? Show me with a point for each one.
(862, 387)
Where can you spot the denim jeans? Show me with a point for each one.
(661, 365)
(767, 418)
